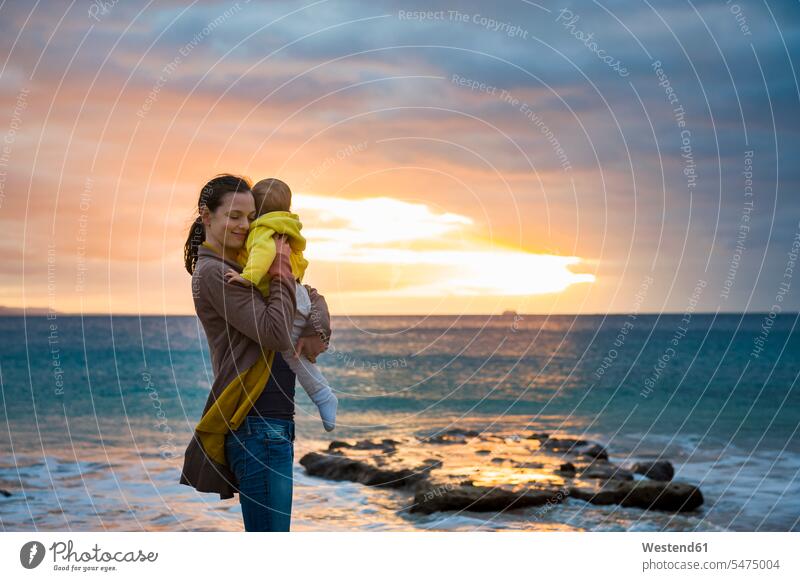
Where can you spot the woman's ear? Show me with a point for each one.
(205, 216)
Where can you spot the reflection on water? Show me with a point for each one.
(124, 485)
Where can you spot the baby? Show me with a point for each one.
(273, 199)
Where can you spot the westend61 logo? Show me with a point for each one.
(32, 554)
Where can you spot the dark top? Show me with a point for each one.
(277, 399)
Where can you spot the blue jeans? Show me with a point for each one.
(261, 453)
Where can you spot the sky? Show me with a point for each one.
(461, 158)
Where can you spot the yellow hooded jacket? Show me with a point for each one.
(259, 250)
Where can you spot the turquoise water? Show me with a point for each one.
(98, 412)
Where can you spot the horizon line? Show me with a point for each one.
(42, 313)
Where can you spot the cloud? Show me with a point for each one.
(409, 242)
(341, 73)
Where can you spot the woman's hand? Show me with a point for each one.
(231, 276)
(310, 347)
(281, 265)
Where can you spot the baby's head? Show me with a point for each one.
(272, 195)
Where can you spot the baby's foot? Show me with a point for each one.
(327, 411)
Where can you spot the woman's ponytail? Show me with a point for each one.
(197, 235)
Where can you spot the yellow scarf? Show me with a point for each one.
(230, 409)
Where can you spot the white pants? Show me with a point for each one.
(308, 374)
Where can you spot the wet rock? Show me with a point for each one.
(335, 467)
(574, 446)
(443, 496)
(646, 494)
(606, 471)
(386, 445)
(431, 464)
(655, 469)
(493, 438)
(592, 450)
(453, 436)
(530, 465)
(568, 468)
(538, 436)
(562, 444)
(508, 472)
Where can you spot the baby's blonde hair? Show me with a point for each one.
(272, 195)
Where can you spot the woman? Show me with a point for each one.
(244, 441)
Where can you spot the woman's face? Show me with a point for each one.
(227, 226)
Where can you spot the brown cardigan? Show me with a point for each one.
(239, 324)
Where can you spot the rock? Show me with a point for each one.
(5, 492)
(655, 469)
(574, 446)
(567, 468)
(562, 444)
(606, 471)
(441, 496)
(501, 472)
(529, 465)
(431, 464)
(538, 436)
(335, 467)
(594, 451)
(495, 438)
(387, 445)
(454, 436)
(647, 494)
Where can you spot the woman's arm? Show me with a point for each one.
(314, 339)
(319, 321)
(268, 321)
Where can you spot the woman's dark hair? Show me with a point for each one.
(211, 197)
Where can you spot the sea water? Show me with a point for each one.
(97, 412)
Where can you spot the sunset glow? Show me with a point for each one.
(408, 242)
(442, 166)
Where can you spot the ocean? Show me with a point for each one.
(98, 411)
